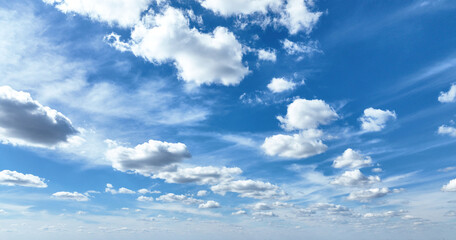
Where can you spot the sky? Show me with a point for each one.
(212, 119)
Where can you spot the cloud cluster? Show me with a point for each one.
(447, 130)
(355, 178)
(352, 159)
(167, 37)
(110, 189)
(306, 49)
(368, 194)
(147, 158)
(267, 55)
(13, 178)
(199, 175)
(374, 120)
(450, 187)
(24, 121)
(250, 189)
(448, 97)
(278, 85)
(124, 13)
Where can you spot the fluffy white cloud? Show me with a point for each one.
(278, 85)
(450, 96)
(199, 175)
(201, 193)
(147, 191)
(145, 199)
(302, 145)
(332, 209)
(234, 7)
(24, 121)
(200, 58)
(250, 189)
(447, 130)
(74, 196)
(148, 157)
(240, 212)
(266, 55)
(307, 114)
(374, 120)
(109, 188)
(297, 16)
(209, 204)
(352, 159)
(171, 197)
(450, 187)
(264, 214)
(13, 178)
(369, 194)
(355, 178)
(307, 49)
(125, 13)
(261, 206)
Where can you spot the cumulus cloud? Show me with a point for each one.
(307, 114)
(199, 175)
(109, 188)
(145, 199)
(13, 178)
(209, 204)
(24, 121)
(333, 209)
(450, 187)
(352, 159)
(235, 7)
(148, 157)
(278, 85)
(305, 144)
(124, 13)
(297, 16)
(447, 130)
(167, 37)
(250, 189)
(73, 196)
(369, 194)
(374, 120)
(267, 55)
(261, 206)
(448, 97)
(355, 178)
(171, 197)
(264, 214)
(307, 49)
(240, 212)
(201, 193)
(147, 191)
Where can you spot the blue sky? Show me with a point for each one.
(212, 119)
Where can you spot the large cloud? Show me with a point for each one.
(200, 58)
(307, 114)
(125, 13)
(13, 178)
(450, 96)
(24, 121)
(297, 16)
(199, 175)
(234, 7)
(302, 145)
(355, 178)
(374, 120)
(148, 157)
(250, 189)
(450, 187)
(352, 159)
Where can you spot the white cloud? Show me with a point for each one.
(266, 55)
(74, 196)
(171, 197)
(147, 191)
(369, 194)
(235, 7)
(448, 97)
(24, 121)
(13, 178)
(385, 214)
(332, 209)
(264, 214)
(355, 178)
(201, 193)
(450, 187)
(447, 130)
(374, 120)
(297, 16)
(145, 199)
(250, 189)
(302, 145)
(377, 170)
(352, 159)
(109, 188)
(125, 13)
(307, 114)
(197, 56)
(148, 157)
(307, 49)
(278, 85)
(261, 206)
(209, 204)
(240, 212)
(199, 175)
